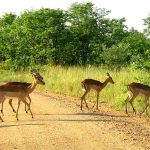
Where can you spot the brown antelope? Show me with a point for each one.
(135, 89)
(89, 84)
(20, 91)
(10, 100)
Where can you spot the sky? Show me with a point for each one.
(133, 10)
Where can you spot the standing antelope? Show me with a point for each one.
(135, 89)
(89, 84)
(20, 91)
(10, 100)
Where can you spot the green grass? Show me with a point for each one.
(67, 81)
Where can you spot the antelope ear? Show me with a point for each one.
(108, 74)
(32, 71)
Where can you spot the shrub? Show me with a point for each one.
(117, 56)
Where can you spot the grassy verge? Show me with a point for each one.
(67, 81)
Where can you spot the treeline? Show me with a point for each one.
(82, 35)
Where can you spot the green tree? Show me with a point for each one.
(139, 49)
(34, 37)
(115, 32)
(147, 28)
(84, 24)
(82, 35)
(5, 23)
(117, 56)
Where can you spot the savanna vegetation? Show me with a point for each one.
(70, 45)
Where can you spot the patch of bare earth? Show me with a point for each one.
(59, 124)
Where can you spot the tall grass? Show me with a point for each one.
(67, 81)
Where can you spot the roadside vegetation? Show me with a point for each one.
(67, 81)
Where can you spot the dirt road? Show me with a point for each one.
(59, 124)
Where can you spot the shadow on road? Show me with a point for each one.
(83, 117)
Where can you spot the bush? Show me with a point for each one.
(142, 61)
(117, 56)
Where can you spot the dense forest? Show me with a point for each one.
(82, 35)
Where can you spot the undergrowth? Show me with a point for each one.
(67, 81)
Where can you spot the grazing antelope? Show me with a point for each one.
(20, 91)
(10, 100)
(89, 84)
(135, 89)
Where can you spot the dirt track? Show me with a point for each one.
(59, 124)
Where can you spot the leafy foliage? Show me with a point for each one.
(147, 24)
(117, 55)
(82, 35)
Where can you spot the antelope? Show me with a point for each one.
(135, 89)
(20, 91)
(10, 100)
(89, 84)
